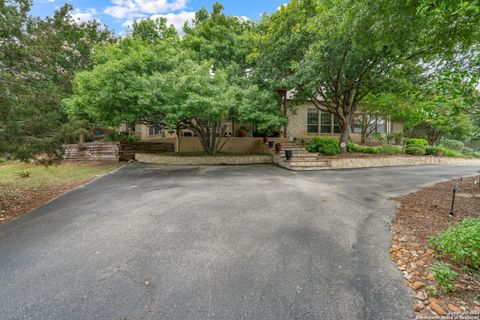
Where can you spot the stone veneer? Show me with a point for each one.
(396, 161)
(346, 163)
(207, 160)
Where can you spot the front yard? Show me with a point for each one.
(24, 187)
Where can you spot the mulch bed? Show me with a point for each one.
(14, 203)
(424, 214)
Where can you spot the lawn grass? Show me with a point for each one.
(24, 187)
(40, 176)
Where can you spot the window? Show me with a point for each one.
(357, 123)
(336, 125)
(381, 127)
(326, 122)
(312, 121)
(156, 130)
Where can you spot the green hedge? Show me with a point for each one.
(363, 149)
(461, 242)
(325, 145)
(443, 152)
(392, 150)
(415, 150)
(416, 142)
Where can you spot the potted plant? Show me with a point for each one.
(289, 154)
(278, 148)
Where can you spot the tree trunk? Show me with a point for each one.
(345, 135)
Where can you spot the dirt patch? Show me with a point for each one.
(14, 203)
(426, 213)
(20, 195)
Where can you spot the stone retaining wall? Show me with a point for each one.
(95, 151)
(207, 160)
(395, 161)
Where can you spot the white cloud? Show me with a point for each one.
(83, 16)
(123, 9)
(176, 19)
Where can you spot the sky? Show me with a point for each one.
(119, 14)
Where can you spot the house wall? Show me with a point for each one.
(297, 124)
(233, 145)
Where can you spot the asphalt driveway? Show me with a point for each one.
(253, 242)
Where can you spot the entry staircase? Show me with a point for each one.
(302, 160)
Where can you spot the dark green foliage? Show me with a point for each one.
(415, 150)
(364, 149)
(460, 242)
(452, 144)
(391, 150)
(467, 152)
(395, 137)
(325, 145)
(444, 276)
(38, 59)
(435, 151)
(416, 142)
(443, 152)
(121, 137)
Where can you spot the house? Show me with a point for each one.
(304, 121)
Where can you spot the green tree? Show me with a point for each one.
(336, 53)
(159, 83)
(153, 30)
(219, 38)
(38, 60)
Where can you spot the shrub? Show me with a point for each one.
(476, 154)
(452, 144)
(444, 276)
(460, 242)
(122, 137)
(395, 138)
(377, 137)
(364, 149)
(435, 151)
(326, 145)
(467, 152)
(453, 153)
(415, 150)
(416, 142)
(388, 149)
(441, 151)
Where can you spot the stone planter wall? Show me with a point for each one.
(395, 161)
(216, 160)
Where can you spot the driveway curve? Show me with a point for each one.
(252, 242)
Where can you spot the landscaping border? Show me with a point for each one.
(204, 160)
(374, 162)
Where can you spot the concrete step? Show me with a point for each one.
(296, 160)
(303, 156)
(294, 148)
